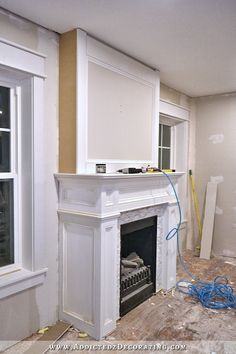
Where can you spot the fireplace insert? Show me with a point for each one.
(137, 262)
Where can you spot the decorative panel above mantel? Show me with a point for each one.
(113, 107)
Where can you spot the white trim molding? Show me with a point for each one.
(178, 117)
(91, 209)
(20, 280)
(19, 58)
(26, 70)
(173, 110)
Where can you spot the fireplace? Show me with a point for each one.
(137, 262)
(101, 216)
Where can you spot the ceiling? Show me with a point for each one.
(191, 42)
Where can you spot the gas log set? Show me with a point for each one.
(136, 282)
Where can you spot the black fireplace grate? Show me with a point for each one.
(135, 287)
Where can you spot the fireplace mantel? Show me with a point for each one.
(91, 209)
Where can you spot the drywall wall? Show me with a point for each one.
(25, 312)
(215, 161)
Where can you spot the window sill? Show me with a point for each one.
(23, 279)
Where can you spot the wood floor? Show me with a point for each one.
(174, 316)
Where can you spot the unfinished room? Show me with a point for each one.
(117, 185)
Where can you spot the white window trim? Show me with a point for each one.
(173, 110)
(28, 65)
(173, 114)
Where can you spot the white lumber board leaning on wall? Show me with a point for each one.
(208, 223)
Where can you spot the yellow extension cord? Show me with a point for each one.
(195, 204)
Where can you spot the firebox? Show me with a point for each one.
(137, 262)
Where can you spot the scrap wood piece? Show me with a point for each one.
(50, 337)
(208, 223)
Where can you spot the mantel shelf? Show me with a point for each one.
(107, 176)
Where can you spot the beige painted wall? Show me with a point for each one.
(215, 158)
(24, 313)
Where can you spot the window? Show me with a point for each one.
(164, 156)
(22, 175)
(7, 177)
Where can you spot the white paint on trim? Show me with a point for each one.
(217, 179)
(20, 280)
(216, 138)
(20, 58)
(173, 110)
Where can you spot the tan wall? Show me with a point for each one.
(215, 157)
(67, 103)
(25, 312)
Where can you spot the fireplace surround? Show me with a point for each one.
(92, 210)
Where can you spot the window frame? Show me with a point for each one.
(26, 69)
(13, 174)
(179, 118)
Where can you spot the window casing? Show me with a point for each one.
(23, 71)
(173, 141)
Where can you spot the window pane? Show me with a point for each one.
(6, 223)
(165, 158)
(4, 107)
(159, 158)
(160, 134)
(4, 151)
(166, 136)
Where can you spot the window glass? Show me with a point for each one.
(166, 135)
(4, 107)
(6, 223)
(159, 158)
(160, 134)
(165, 158)
(164, 146)
(4, 151)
